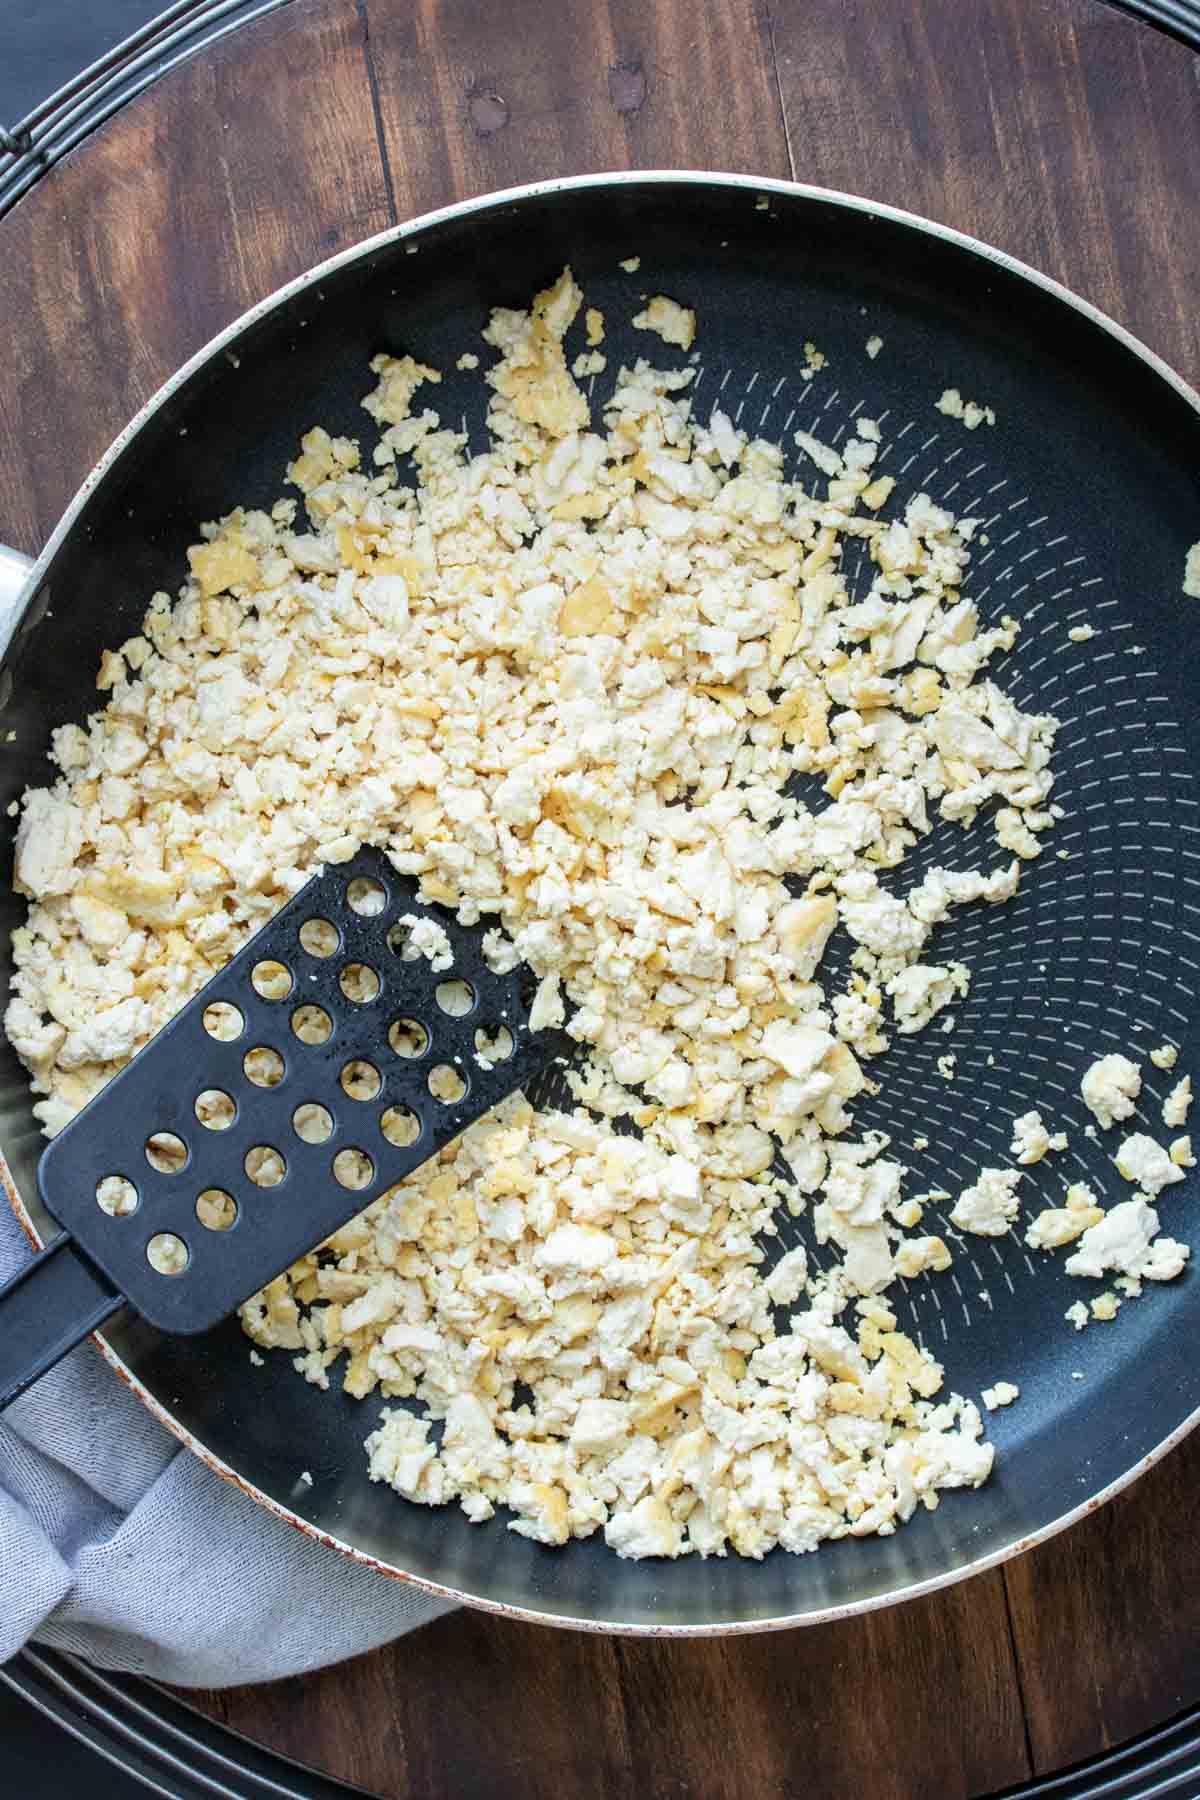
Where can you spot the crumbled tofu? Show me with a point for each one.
(1181, 1152)
(922, 990)
(1031, 1141)
(988, 1207)
(1105, 1306)
(1126, 1240)
(814, 361)
(674, 324)
(567, 683)
(632, 264)
(1082, 634)
(915, 1255)
(425, 937)
(874, 346)
(1178, 1103)
(969, 411)
(1002, 1394)
(1078, 1316)
(1146, 1164)
(1059, 1225)
(1165, 1056)
(1191, 572)
(1110, 1089)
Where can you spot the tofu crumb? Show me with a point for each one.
(673, 323)
(1082, 634)
(1178, 1103)
(510, 675)
(468, 360)
(1191, 572)
(1002, 1394)
(814, 361)
(1110, 1089)
(969, 412)
(1165, 1056)
(632, 264)
(874, 346)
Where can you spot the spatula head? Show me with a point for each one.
(326, 1061)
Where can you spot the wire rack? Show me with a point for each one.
(1178, 18)
(180, 1754)
(35, 143)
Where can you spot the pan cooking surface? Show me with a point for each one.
(1088, 493)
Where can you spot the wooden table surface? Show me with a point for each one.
(1058, 129)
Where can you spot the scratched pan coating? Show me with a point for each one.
(1089, 489)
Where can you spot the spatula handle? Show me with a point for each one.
(47, 1308)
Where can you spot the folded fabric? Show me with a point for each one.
(119, 1545)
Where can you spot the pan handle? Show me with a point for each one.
(14, 575)
(46, 1308)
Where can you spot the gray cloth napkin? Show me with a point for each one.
(119, 1545)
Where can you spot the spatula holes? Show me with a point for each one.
(399, 940)
(271, 980)
(313, 1123)
(265, 1166)
(215, 1110)
(223, 1021)
(117, 1196)
(312, 1024)
(166, 1152)
(493, 1044)
(359, 983)
(319, 937)
(400, 1126)
(366, 897)
(353, 1168)
(446, 1084)
(216, 1210)
(456, 998)
(408, 1037)
(360, 1080)
(263, 1066)
(167, 1254)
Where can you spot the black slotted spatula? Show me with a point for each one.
(326, 1061)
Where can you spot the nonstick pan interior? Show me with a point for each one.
(1089, 484)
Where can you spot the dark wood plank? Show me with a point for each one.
(479, 97)
(241, 169)
(1107, 1618)
(1060, 130)
(920, 1699)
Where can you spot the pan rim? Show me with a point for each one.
(229, 335)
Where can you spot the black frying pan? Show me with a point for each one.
(1090, 486)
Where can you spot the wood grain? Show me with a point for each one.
(1058, 129)
(475, 97)
(1061, 130)
(475, 1704)
(224, 180)
(1107, 1618)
